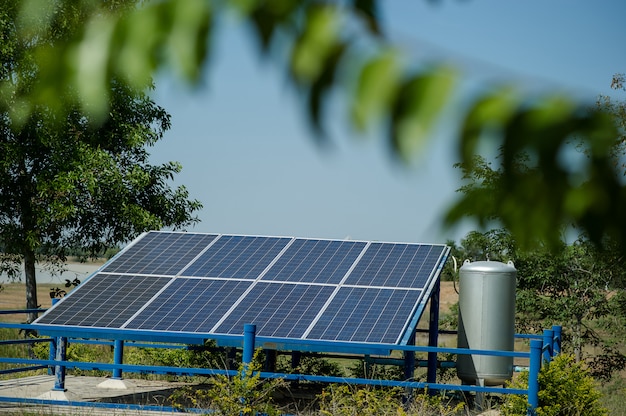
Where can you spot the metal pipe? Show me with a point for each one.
(249, 338)
(536, 347)
(433, 333)
(118, 358)
(548, 336)
(59, 369)
(53, 345)
(556, 343)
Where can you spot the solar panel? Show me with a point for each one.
(396, 265)
(315, 261)
(278, 310)
(366, 315)
(237, 257)
(189, 305)
(291, 288)
(159, 253)
(105, 300)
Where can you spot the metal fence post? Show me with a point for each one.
(548, 336)
(59, 369)
(249, 337)
(52, 354)
(53, 345)
(536, 346)
(118, 358)
(556, 343)
(433, 334)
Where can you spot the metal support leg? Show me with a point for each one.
(52, 354)
(433, 333)
(548, 336)
(296, 356)
(53, 346)
(270, 361)
(59, 369)
(556, 344)
(249, 338)
(409, 360)
(118, 358)
(533, 375)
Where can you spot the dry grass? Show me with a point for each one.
(13, 296)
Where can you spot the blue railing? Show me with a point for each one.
(542, 348)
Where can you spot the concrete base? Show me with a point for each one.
(61, 395)
(115, 383)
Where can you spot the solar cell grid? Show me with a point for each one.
(396, 265)
(189, 305)
(315, 261)
(237, 257)
(278, 310)
(313, 289)
(105, 301)
(160, 253)
(366, 315)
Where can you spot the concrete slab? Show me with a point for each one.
(85, 389)
(116, 383)
(64, 396)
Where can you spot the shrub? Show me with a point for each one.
(348, 400)
(363, 369)
(565, 389)
(245, 394)
(310, 365)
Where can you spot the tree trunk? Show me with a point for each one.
(31, 284)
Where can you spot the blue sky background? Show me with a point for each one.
(248, 154)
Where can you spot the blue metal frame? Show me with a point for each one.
(542, 349)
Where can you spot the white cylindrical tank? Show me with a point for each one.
(486, 320)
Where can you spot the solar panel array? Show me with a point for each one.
(298, 288)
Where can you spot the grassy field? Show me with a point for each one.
(13, 296)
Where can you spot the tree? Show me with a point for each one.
(579, 287)
(68, 180)
(340, 46)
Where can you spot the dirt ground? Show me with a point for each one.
(447, 297)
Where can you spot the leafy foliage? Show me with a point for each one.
(324, 47)
(245, 394)
(579, 287)
(69, 179)
(310, 365)
(347, 400)
(364, 369)
(175, 357)
(565, 389)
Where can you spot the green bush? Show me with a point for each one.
(363, 369)
(565, 389)
(310, 365)
(245, 394)
(76, 351)
(348, 400)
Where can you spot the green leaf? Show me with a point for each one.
(376, 88)
(317, 42)
(320, 88)
(187, 44)
(419, 103)
(492, 111)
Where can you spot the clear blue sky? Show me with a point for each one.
(248, 155)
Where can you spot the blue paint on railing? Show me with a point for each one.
(542, 348)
